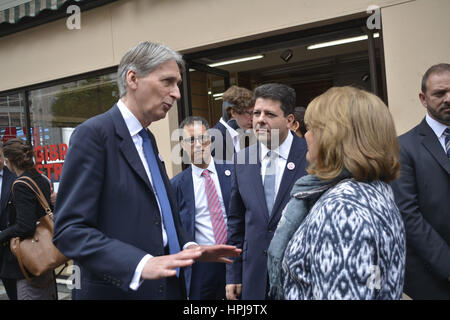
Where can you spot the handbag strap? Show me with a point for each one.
(39, 195)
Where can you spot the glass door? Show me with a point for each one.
(203, 87)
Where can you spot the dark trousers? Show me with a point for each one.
(11, 288)
(207, 281)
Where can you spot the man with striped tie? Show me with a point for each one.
(203, 194)
(423, 189)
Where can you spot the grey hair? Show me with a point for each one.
(143, 59)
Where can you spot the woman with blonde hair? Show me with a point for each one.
(341, 235)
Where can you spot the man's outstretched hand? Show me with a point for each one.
(216, 253)
(164, 266)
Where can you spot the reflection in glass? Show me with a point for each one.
(12, 117)
(57, 110)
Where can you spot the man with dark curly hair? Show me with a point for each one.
(237, 112)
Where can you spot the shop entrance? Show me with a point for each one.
(310, 61)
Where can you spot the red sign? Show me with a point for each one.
(45, 154)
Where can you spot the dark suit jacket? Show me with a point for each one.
(107, 216)
(223, 146)
(184, 187)
(422, 195)
(23, 211)
(7, 181)
(249, 225)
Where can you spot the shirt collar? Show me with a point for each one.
(133, 124)
(198, 171)
(282, 150)
(436, 126)
(233, 133)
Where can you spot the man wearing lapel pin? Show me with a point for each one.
(116, 212)
(262, 179)
(203, 194)
(423, 189)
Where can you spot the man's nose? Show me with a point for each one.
(447, 97)
(175, 92)
(261, 118)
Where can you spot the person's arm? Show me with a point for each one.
(76, 233)
(235, 237)
(420, 235)
(25, 204)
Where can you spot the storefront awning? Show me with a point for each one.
(11, 11)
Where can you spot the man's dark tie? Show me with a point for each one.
(161, 193)
(447, 141)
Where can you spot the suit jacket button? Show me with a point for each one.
(161, 289)
(265, 252)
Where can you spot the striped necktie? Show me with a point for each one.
(447, 142)
(269, 180)
(215, 210)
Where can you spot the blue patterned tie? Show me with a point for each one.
(269, 181)
(161, 193)
(447, 141)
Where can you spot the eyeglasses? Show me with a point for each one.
(204, 139)
(246, 112)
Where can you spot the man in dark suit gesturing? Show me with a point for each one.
(262, 179)
(6, 180)
(423, 189)
(116, 213)
(203, 194)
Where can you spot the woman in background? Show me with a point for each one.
(341, 235)
(24, 210)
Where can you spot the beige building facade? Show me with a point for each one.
(413, 36)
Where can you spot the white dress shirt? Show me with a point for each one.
(134, 127)
(280, 161)
(204, 232)
(234, 135)
(438, 128)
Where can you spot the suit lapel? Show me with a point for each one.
(431, 143)
(253, 170)
(127, 146)
(288, 179)
(225, 183)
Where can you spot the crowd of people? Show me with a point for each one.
(277, 202)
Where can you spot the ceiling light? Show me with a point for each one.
(223, 63)
(341, 41)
